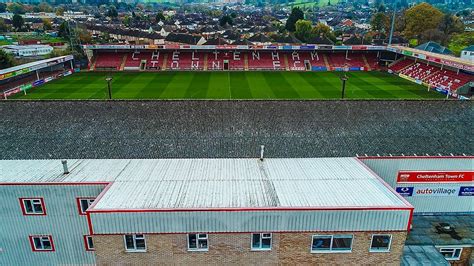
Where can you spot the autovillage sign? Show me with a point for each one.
(435, 176)
(435, 183)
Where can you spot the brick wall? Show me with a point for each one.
(287, 248)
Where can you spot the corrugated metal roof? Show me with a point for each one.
(31, 64)
(216, 183)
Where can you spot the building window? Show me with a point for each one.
(42, 243)
(451, 253)
(89, 244)
(32, 206)
(83, 204)
(331, 243)
(135, 243)
(380, 243)
(262, 241)
(197, 242)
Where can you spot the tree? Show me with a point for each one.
(3, 25)
(60, 11)
(3, 7)
(226, 20)
(63, 30)
(45, 7)
(451, 24)
(18, 21)
(16, 8)
(380, 22)
(112, 12)
(296, 14)
(233, 15)
(420, 18)
(6, 60)
(159, 16)
(303, 30)
(460, 41)
(47, 24)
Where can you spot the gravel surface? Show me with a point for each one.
(207, 129)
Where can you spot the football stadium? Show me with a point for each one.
(243, 72)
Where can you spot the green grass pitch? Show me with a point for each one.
(230, 85)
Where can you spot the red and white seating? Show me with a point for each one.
(260, 60)
(153, 60)
(219, 60)
(400, 65)
(109, 60)
(419, 71)
(297, 60)
(185, 60)
(448, 79)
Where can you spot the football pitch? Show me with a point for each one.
(229, 85)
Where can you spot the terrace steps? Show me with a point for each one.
(205, 62)
(246, 62)
(122, 65)
(326, 62)
(366, 62)
(94, 61)
(165, 61)
(285, 60)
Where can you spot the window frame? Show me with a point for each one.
(33, 245)
(252, 248)
(454, 251)
(23, 208)
(134, 243)
(197, 249)
(79, 205)
(331, 243)
(86, 243)
(372, 250)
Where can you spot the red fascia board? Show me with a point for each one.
(101, 194)
(247, 232)
(380, 208)
(23, 210)
(417, 157)
(410, 220)
(89, 223)
(408, 204)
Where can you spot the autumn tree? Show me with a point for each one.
(303, 30)
(420, 18)
(380, 23)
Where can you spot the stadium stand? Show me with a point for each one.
(259, 60)
(448, 79)
(225, 60)
(144, 60)
(432, 75)
(181, 60)
(109, 60)
(299, 60)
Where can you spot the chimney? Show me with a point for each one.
(65, 168)
(262, 149)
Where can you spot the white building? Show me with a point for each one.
(468, 54)
(27, 50)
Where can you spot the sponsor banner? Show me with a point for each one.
(12, 91)
(69, 57)
(463, 97)
(391, 49)
(421, 56)
(342, 47)
(271, 47)
(407, 77)
(25, 87)
(318, 68)
(67, 73)
(466, 191)
(417, 81)
(307, 47)
(287, 47)
(48, 79)
(375, 47)
(356, 68)
(242, 47)
(434, 176)
(407, 53)
(359, 47)
(297, 68)
(441, 90)
(405, 191)
(428, 191)
(38, 82)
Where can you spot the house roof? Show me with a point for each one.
(422, 255)
(469, 48)
(434, 48)
(230, 129)
(183, 38)
(217, 183)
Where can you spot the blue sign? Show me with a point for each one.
(466, 191)
(318, 68)
(405, 191)
(38, 82)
